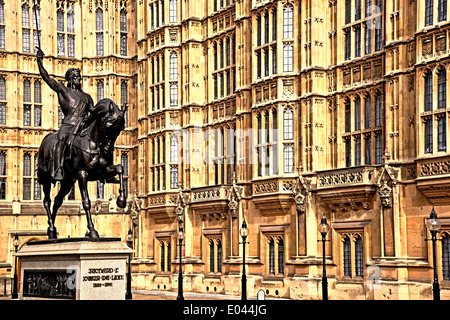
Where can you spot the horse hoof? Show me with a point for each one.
(121, 202)
(51, 232)
(93, 234)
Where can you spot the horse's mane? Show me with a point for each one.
(102, 107)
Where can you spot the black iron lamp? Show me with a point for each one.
(128, 294)
(14, 294)
(180, 274)
(244, 233)
(323, 229)
(433, 224)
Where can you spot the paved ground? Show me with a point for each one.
(170, 295)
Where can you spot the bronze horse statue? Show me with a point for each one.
(88, 157)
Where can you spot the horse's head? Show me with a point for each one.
(111, 119)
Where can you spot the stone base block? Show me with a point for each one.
(74, 268)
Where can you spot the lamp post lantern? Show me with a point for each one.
(180, 274)
(14, 294)
(323, 229)
(128, 294)
(244, 234)
(433, 224)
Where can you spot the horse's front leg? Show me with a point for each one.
(82, 183)
(113, 170)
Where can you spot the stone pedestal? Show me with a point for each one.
(74, 268)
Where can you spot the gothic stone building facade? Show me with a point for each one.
(273, 111)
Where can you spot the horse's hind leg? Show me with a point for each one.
(66, 186)
(51, 231)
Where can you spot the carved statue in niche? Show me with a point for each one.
(385, 193)
(300, 191)
(181, 203)
(234, 197)
(387, 174)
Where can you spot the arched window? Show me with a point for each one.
(99, 30)
(378, 109)
(446, 257)
(357, 113)
(359, 257)
(211, 256)
(367, 112)
(348, 119)
(442, 10)
(288, 57)
(2, 25)
(288, 22)
(172, 11)
(271, 256)
(26, 177)
(124, 162)
(347, 257)
(25, 27)
(219, 256)
(173, 66)
(288, 124)
(215, 55)
(174, 94)
(2, 100)
(428, 96)
(442, 88)
(2, 175)
(174, 148)
(100, 90)
(288, 159)
(280, 256)
(428, 12)
(123, 32)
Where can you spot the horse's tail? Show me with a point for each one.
(44, 156)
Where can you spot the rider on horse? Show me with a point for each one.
(75, 105)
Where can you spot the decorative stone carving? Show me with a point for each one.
(385, 193)
(234, 197)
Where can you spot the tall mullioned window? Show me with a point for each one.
(26, 42)
(174, 161)
(173, 11)
(123, 32)
(446, 257)
(442, 89)
(65, 29)
(124, 162)
(27, 102)
(2, 101)
(428, 12)
(26, 177)
(442, 10)
(288, 22)
(347, 257)
(288, 57)
(124, 99)
(428, 96)
(2, 25)
(37, 186)
(99, 29)
(2, 175)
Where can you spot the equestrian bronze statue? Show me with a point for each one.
(82, 149)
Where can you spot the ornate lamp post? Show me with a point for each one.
(323, 229)
(433, 224)
(244, 234)
(180, 274)
(128, 295)
(14, 294)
